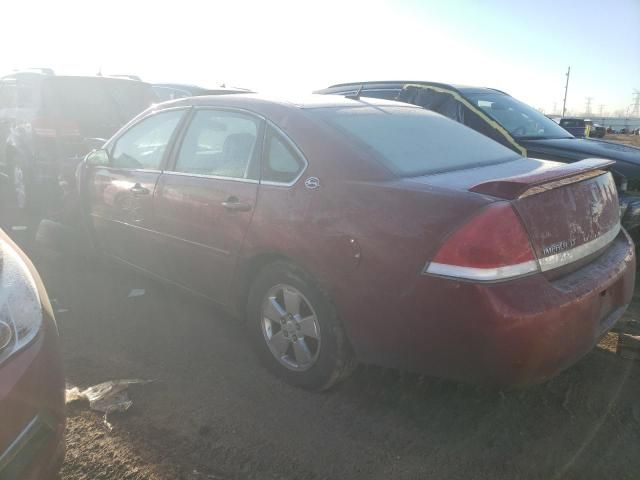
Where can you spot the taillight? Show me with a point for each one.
(52, 128)
(492, 246)
(44, 127)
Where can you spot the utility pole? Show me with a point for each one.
(636, 102)
(566, 89)
(587, 106)
(602, 105)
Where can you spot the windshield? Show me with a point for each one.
(414, 141)
(520, 120)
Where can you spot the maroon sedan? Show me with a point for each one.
(349, 229)
(31, 380)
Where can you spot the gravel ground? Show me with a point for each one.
(212, 412)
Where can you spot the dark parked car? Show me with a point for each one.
(48, 123)
(32, 411)
(173, 91)
(369, 229)
(515, 125)
(581, 127)
(597, 131)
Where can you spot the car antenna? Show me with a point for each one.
(356, 96)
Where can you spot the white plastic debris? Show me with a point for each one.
(137, 292)
(19, 228)
(106, 397)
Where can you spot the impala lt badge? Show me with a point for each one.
(559, 247)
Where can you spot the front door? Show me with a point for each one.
(121, 194)
(205, 201)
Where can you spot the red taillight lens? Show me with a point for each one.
(44, 127)
(492, 246)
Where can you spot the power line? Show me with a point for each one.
(587, 106)
(602, 105)
(636, 102)
(566, 89)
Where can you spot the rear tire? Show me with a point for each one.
(21, 187)
(295, 330)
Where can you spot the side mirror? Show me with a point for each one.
(97, 158)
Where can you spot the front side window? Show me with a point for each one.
(219, 143)
(281, 163)
(519, 119)
(143, 145)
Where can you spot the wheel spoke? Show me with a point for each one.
(301, 352)
(273, 311)
(309, 327)
(291, 301)
(279, 343)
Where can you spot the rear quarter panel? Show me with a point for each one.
(363, 236)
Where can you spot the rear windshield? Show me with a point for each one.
(412, 141)
(569, 122)
(89, 99)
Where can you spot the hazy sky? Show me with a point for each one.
(522, 47)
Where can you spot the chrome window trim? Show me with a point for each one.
(295, 148)
(574, 254)
(213, 177)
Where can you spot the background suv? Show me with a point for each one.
(49, 122)
(515, 125)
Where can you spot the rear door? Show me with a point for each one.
(205, 201)
(121, 194)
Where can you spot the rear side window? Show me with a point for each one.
(281, 164)
(143, 145)
(412, 141)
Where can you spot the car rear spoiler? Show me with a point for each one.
(510, 188)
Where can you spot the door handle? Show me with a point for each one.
(138, 189)
(234, 205)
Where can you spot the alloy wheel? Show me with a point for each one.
(290, 327)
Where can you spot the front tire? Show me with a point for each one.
(295, 329)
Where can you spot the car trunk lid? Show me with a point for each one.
(570, 211)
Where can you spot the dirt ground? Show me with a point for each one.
(212, 412)
(628, 139)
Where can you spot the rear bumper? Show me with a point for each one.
(517, 332)
(536, 328)
(32, 411)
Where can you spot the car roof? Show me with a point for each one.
(259, 102)
(465, 89)
(51, 77)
